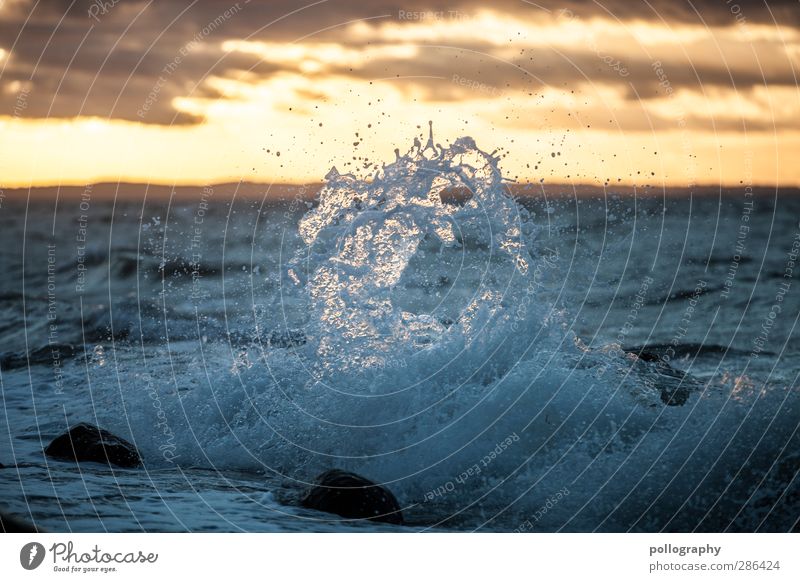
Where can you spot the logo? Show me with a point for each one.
(31, 555)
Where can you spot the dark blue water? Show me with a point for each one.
(482, 396)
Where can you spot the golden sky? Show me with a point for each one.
(194, 92)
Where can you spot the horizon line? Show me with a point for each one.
(517, 185)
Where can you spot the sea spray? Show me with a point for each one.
(431, 263)
(427, 331)
(370, 243)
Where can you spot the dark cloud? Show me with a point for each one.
(710, 12)
(81, 59)
(85, 67)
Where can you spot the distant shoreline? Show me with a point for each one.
(277, 192)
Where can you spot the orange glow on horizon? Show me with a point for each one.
(350, 100)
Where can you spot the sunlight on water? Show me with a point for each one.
(363, 237)
(425, 329)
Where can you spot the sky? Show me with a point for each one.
(652, 92)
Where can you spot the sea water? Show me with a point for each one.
(465, 344)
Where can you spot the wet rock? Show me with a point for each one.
(646, 355)
(353, 497)
(86, 442)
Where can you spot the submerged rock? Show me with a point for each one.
(354, 497)
(86, 442)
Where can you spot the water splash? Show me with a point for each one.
(429, 342)
(435, 212)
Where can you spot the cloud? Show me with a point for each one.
(154, 62)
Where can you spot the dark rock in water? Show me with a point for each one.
(10, 524)
(354, 497)
(86, 442)
(2, 466)
(647, 356)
